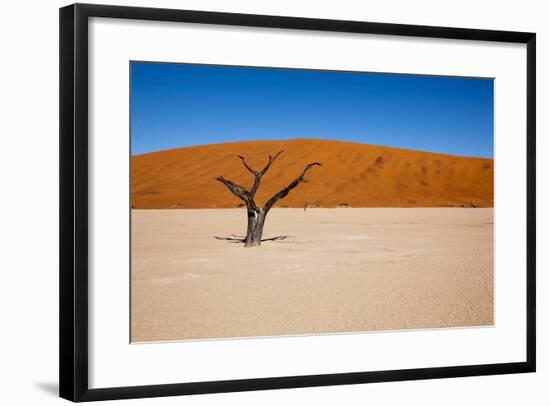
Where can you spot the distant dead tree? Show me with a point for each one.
(257, 215)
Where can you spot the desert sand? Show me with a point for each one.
(353, 174)
(340, 270)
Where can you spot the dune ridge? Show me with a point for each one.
(352, 174)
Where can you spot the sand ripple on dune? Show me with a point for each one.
(353, 174)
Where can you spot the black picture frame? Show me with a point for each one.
(73, 254)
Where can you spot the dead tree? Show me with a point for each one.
(257, 215)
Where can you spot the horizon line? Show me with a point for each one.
(308, 139)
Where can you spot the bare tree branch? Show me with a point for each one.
(284, 192)
(258, 175)
(271, 160)
(255, 173)
(239, 191)
(255, 185)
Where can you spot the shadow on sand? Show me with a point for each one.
(237, 239)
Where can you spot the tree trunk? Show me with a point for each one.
(250, 228)
(256, 237)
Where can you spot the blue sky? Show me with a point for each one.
(177, 105)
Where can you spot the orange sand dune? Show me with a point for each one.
(353, 174)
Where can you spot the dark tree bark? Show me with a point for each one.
(256, 215)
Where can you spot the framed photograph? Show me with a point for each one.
(257, 202)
